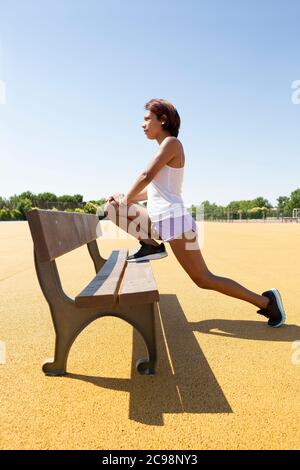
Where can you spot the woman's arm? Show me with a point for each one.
(142, 196)
(165, 153)
(138, 187)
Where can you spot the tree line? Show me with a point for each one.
(16, 206)
(257, 208)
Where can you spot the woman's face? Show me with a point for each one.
(152, 126)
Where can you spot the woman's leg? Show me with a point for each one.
(193, 263)
(133, 219)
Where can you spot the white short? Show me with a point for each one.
(173, 227)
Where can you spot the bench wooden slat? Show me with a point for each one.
(55, 233)
(138, 285)
(102, 291)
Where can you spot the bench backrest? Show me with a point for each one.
(55, 233)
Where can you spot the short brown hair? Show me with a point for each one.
(162, 107)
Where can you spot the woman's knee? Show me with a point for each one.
(111, 209)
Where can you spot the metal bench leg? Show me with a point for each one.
(68, 326)
(147, 329)
(58, 366)
(67, 319)
(73, 321)
(142, 317)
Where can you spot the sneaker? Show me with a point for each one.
(148, 252)
(274, 310)
(101, 213)
(102, 216)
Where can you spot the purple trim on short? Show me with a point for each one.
(173, 227)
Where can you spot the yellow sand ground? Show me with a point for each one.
(224, 379)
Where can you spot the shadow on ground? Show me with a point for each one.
(245, 329)
(184, 381)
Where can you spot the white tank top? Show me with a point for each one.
(164, 194)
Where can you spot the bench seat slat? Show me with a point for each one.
(102, 291)
(138, 285)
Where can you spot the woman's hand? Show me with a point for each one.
(115, 197)
(123, 201)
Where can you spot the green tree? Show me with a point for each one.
(282, 204)
(27, 195)
(47, 197)
(16, 214)
(66, 198)
(3, 203)
(90, 208)
(78, 198)
(23, 206)
(255, 213)
(294, 201)
(5, 214)
(261, 202)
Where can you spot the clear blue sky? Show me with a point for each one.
(78, 73)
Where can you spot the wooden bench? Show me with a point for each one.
(119, 289)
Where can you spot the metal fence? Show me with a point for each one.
(60, 205)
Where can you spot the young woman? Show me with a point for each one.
(166, 218)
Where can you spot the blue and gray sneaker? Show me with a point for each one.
(274, 310)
